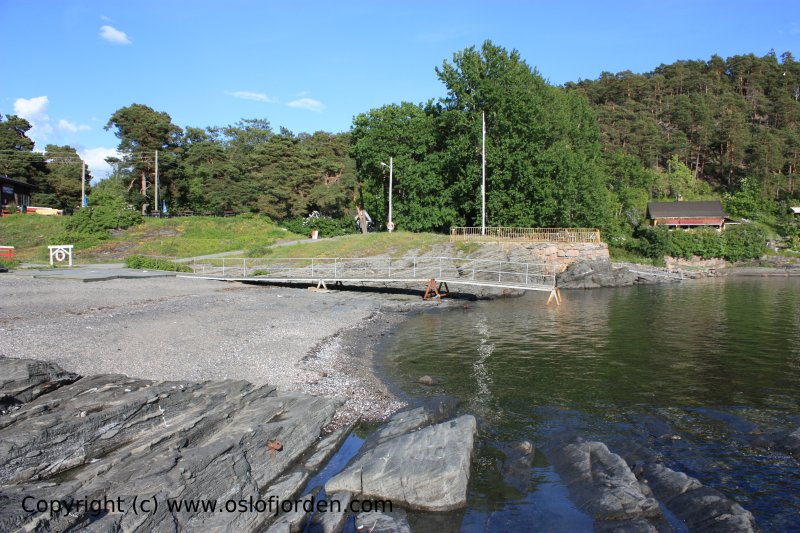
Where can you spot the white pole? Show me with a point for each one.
(391, 163)
(83, 184)
(156, 193)
(483, 175)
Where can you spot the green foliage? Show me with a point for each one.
(735, 243)
(542, 151)
(60, 186)
(745, 241)
(326, 226)
(749, 202)
(18, 160)
(141, 262)
(107, 211)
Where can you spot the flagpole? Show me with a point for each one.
(483, 174)
(83, 184)
(155, 206)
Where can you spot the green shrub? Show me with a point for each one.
(744, 241)
(326, 226)
(8, 265)
(155, 263)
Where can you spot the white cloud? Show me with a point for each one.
(43, 131)
(113, 35)
(34, 110)
(247, 95)
(307, 103)
(95, 160)
(66, 125)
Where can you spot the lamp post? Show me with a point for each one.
(390, 224)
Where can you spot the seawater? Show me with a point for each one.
(688, 372)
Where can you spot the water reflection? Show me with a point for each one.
(687, 371)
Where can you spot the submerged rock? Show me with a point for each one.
(424, 470)
(516, 468)
(700, 508)
(380, 522)
(602, 483)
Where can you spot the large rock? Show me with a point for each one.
(700, 508)
(594, 274)
(23, 380)
(111, 437)
(425, 470)
(602, 484)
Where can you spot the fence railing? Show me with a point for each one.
(499, 234)
(479, 271)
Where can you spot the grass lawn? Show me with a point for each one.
(394, 244)
(30, 235)
(170, 237)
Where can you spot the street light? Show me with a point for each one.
(390, 224)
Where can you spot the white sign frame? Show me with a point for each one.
(60, 252)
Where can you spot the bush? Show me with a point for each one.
(90, 226)
(8, 265)
(744, 241)
(736, 243)
(327, 226)
(155, 263)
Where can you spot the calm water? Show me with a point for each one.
(686, 371)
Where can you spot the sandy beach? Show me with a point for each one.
(190, 329)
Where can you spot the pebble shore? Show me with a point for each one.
(191, 329)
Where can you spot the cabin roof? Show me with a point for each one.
(710, 209)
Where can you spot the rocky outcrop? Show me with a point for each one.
(619, 498)
(23, 380)
(427, 469)
(700, 508)
(602, 273)
(120, 442)
(602, 484)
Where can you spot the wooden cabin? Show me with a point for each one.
(14, 192)
(687, 214)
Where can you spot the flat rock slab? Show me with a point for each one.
(603, 485)
(425, 470)
(114, 438)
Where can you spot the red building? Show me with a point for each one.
(687, 214)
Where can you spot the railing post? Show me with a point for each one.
(415, 269)
(526, 273)
(244, 267)
(312, 267)
(223, 266)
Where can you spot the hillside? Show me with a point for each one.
(172, 237)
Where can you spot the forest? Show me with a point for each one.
(590, 153)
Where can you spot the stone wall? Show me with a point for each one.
(558, 254)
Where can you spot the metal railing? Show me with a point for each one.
(500, 234)
(469, 271)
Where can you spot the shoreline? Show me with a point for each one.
(173, 329)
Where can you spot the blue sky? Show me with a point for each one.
(307, 66)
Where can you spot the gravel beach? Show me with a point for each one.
(191, 329)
